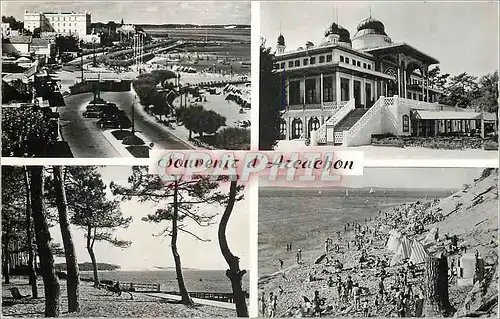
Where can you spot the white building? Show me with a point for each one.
(64, 23)
(5, 29)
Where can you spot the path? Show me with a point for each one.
(205, 302)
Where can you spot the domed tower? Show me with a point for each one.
(336, 34)
(281, 44)
(370, 34)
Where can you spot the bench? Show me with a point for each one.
(16, 294)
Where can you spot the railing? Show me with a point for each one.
(216, 296)
(132, 286)
(334, 104)
(341, 111)
(356, 128)
(338, 138)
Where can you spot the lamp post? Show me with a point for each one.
(133, 106)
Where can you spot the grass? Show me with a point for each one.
(133, 140)
(139, 151)
(121, 134)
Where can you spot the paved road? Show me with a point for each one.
(86, 140)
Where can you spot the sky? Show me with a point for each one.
(139, 12)
(148, 251)
(462, 36)
(410, 178)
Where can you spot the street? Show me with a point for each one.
(85, 138)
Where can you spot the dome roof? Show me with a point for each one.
(344, 35)
(373, 26)
(281, 39)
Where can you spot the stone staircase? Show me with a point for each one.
(349, 120)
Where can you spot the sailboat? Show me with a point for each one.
(372, 191)
(346, 193)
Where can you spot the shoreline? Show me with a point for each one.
(301, 280)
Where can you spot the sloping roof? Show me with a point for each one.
(445, 115)
(20, 39)
(40, 42)
(418, 253)
(403, 47)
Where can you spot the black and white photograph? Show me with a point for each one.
(115, 241)
(392, 79)
(118, 79)
(395, 242)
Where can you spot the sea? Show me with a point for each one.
(195, 280)
(306, 217)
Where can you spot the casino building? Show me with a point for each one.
(346, 89)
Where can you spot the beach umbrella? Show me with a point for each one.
(418, 253)
(306, 299)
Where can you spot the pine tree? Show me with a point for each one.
(181, 200)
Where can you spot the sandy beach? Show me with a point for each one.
(98, 303)
(470, 214)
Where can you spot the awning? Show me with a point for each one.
(444, 115)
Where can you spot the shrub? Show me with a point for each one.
(233, 138)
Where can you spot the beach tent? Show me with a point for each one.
(394, 240)
(403, 252)
(418, 253)
(430, 239)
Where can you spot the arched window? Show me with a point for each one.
(297, 128)
(282, 129)
(406, 123)
(313, 124)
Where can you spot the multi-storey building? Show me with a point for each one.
(347, 89)
(64, 23)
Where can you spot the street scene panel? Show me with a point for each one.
(395, 242)
(118, 80)
(115, 241)
(377, 76)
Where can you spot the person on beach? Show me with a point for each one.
(317, 303)
(272, 307)
(299, 256)
(280, 290)
(281, 263)
(419, 306)
(356, 291)
(327, 246)
(381, 290)
(365, 308)
(349, 285)
(263, 304)
(330, 282)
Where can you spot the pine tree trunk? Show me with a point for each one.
(50, 282)
(437, 302)
(233, 273)
(6, 259)
(73, 280)
(90, 249)
(29, 235)
(185, 299)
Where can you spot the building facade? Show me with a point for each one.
(332, 87)
(64, 23)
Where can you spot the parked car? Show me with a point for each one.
(92, 113)
(108, 123)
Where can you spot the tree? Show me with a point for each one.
(29, 236)
(233, 273)
(461, 90)
(436, 79)
(487, 99)
(43, 240)
(27, 132)
(37, 32)
(13, 221)
(189, 116)
(180, 202)
(92, 211)
(73, 278)
(65, 44)
(437, 301)
(233, 138)
(272, 100)
(209, 122)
